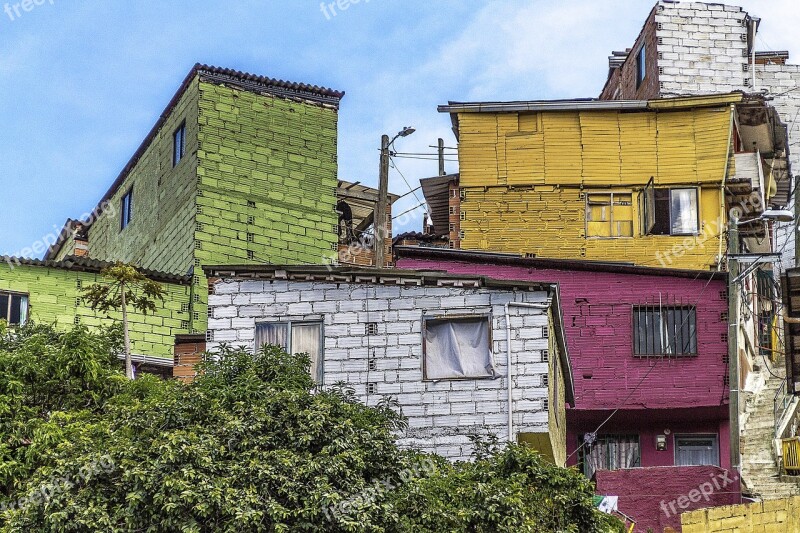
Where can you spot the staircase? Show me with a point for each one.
(759, 465)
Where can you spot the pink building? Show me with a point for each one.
(649, 355)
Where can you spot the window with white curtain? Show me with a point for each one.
(14, 308)
(457, 348)
(294, 337)
(670, 211)
(691, 450)
(609, 452)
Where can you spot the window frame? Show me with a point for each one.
(7, 312)
(649, 204)
(126, 209)
(611, 205)
(605, 437)
(693, 343)
(178, 144)
(696, 436)
(487, 316)
(289, 324)
(641, 65)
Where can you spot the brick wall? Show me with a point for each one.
(441, 414)
(655, 497)
(53, 299)
(189, 351)
(621, 84)
(598, 327)
(772, 515)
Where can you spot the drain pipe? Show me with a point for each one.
(510, 373)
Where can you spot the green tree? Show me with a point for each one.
(253, 445)
(126, 286)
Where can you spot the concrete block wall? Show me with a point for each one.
(702, 48)
(441, 414)
(771, 515)
(160, 235)
(783, 84)
(54, 295)
(267, 177)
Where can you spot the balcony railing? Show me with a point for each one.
(791, 455)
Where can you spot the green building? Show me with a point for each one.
(238, 169)
(50, 292)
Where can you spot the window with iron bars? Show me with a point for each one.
(664, 330)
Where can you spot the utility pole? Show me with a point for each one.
(380, 208)
(733, 343)
(441, 157)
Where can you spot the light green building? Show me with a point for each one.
(238, 169)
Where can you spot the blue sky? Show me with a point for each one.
(83, 81)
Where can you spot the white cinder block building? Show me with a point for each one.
(689, 48)
(436, 342)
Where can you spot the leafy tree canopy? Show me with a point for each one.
(250, 445)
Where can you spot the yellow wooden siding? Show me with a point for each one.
(594, 147)
(549, 221)
(525, 179)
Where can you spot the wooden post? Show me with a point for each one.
(380, 208)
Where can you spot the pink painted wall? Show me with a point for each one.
(597, 308)
(655, 497)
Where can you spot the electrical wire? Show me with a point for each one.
(655, 363)
(410, 188)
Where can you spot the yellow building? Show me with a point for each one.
(647, 182)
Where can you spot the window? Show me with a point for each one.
(695, 450)
(178, 144)
(457, 348)
(641, 66)
(13, 308)
(660, 330)
(126, 209)
(609, 452)
(294, 337)
(609, 215)
(670, 211)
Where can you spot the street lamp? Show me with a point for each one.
(383, 191)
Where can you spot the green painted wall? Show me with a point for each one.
(160, 236)
(257, 185)
(53, 295)
(267, 176)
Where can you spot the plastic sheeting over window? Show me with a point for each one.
(458, 348)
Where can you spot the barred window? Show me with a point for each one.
(664, 330)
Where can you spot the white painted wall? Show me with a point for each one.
(441, 414)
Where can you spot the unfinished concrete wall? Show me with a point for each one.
(441, 414)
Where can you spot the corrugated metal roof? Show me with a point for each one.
(591, 104)
(87, 264)
(437, 194)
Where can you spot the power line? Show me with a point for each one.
(410, 188)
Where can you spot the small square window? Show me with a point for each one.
(251, 203)
(14, 308)
(545, 356)
(372, 388)
(371, 328)
(178, 144)
(126, 209)
(251, 255)
(457, 348)
(251, 237)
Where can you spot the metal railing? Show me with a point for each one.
(781, 403)
(791, 455)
